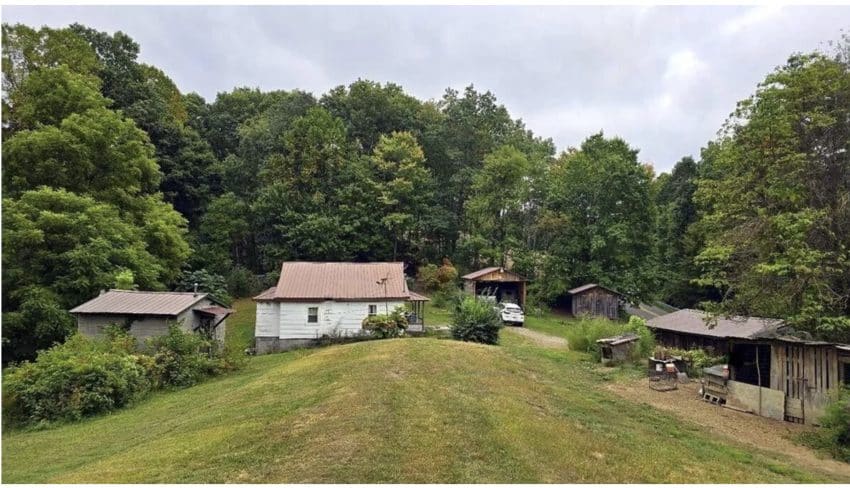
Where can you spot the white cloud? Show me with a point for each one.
(684, 65)
(750, 18)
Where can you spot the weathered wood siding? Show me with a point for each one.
(807, 374)
(596, 302)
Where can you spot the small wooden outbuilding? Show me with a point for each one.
(505, 285)
(617, 349)
(146, 314)
(772, 372)
(595, 300)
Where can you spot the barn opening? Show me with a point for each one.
(750, 363)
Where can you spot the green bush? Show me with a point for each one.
(384, 326)
(79, 378)
(241, 282)
(181, 358)
(696, 359)
(833, 436)
(583, 335)
(435, 278)
(449, 298)
(207, 282)
(475, 320)
(86, 376)
(646, 344)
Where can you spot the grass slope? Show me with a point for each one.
(403, 410)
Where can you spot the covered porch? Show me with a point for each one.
(416, 312)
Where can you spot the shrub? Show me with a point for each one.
(181, 358)
(384, 326)
(207, 282)
(241, 282)
(646, 343)
(79, 378)
(833, 436)
(696, 359)
(582, 336)
(435, 279)
(475, 320)
(449, 298)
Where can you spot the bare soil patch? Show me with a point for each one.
(763, 433)
(539, 338)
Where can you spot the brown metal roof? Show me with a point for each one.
(691, 321)
(131, 302)
(590, 286)
(215, 310)
(266, 295)
(492, 269)
(338, 281)
(416, 297)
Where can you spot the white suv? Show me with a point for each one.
(511, 314)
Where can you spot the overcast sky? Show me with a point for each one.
(663, 78)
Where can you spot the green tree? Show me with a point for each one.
(678, 242)
(59, 250)
(775, 201)
(404, 185)
(599, 217)
(500, 195)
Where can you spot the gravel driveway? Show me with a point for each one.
(539, 338)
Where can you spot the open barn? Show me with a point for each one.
(772, 370)
(506, 286)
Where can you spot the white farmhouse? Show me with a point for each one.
(312, 300)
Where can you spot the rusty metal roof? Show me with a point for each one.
(691, 321)
(266, 295)
(416, 297)
(492, 269)
(591, 286)
(215, 310)
(620, 339)
(313, 281)
(132, 302)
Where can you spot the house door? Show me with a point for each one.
(795, 384)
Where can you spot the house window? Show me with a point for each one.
(373, 310)
(313, 315)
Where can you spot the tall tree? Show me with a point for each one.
(678, 243)
(404, 185)
(500, 195)
(776, 207)
(600, 217)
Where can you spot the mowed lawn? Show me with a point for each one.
(414, 410)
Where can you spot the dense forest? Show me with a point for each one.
(113, 177)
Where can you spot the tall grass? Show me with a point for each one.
(582, 335)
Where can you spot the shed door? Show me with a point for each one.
(795, 384)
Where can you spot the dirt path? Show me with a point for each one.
(539, 338)
(763, 433)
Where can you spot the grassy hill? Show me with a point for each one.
(404, 410)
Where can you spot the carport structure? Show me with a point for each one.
(505, 285)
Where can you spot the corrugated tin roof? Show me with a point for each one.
(132, 302)
(266, 295)
(590, 286)
(491, 269)
(339, 281)
(617, 340)
(416, 297)
(693, 322)
(215, 310)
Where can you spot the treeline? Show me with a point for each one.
(110, 169)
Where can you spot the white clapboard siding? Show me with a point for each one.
(268, 320)
(334, 318)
